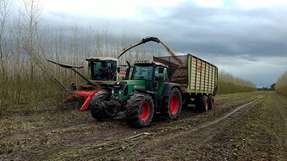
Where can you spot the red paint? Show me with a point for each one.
(174, 105)
(146, 111)
(87, 95)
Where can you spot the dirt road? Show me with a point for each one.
(247, 126)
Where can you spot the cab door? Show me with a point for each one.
(161, 76)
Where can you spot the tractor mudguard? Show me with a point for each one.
(168, 87)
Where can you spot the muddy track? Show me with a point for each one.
(161, 132)
(215, 135)
(162, 136)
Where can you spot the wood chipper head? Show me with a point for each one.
(102, 70)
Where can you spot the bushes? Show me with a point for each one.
(230, 84)
(281, 85)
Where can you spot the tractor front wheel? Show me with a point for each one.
(173, 105)
(140, 110)
(97, 105)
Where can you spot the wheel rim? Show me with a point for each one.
(146, 109)
(174, 105)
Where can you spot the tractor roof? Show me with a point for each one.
(101, 59)
(147, 62)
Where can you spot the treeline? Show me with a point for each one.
(26, 41)
(281, 85)
(230, 84)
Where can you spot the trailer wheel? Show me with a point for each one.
(210, 102)
(140, 110)
(173, 105)
(202, 103)
(97, 105)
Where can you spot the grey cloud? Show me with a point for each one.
(224, 31)
(244, 37)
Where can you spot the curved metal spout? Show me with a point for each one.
(148, 39)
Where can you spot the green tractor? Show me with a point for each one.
(161, 86)
(147, 92)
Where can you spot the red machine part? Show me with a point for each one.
(87, 95)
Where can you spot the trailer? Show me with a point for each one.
(198, 79)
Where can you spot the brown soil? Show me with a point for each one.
(246, 126)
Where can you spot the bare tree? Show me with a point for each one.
(32, 13)
(3, 21)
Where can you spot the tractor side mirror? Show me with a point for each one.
(118, 69)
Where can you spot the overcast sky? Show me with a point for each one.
(247, 38)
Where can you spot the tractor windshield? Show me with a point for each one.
(142, 72)
(104, 70)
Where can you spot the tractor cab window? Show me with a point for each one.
(141, 72)
(104, 70)
(161, 73)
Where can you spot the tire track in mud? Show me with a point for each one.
(164, 127)
(102, 134)
(153, 136)
(92, 140)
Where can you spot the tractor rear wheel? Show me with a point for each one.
(202, 103)
(97, 105)
(140, 110)
(173, 105)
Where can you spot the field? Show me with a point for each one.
(245, 126)
(35, 125)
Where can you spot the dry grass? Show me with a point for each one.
(281, 85)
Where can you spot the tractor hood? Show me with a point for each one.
(136, 84)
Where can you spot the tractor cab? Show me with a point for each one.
(103, 69)
(152, 72)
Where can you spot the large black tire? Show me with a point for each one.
(210, 102)
(172, 105)
(98, 104)
(202, 103)
(140, 110)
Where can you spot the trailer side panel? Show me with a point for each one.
(195, 75)
(203, 76)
